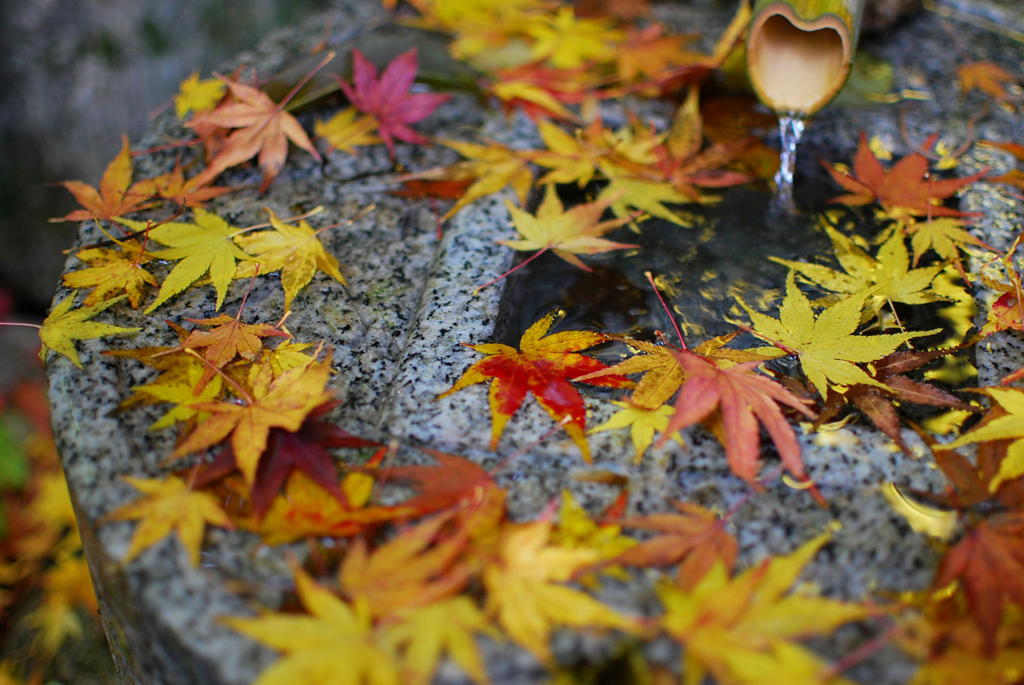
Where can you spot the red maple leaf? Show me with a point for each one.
(543, 365)
(441, 486)
(388, 99)
(745, 398)
(907, 186)
(304, 450)
(989, 563)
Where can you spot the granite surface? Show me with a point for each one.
(395, 331)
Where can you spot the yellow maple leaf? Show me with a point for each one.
(525, 591)
(348, 129)
(333, 643)
(567, 42)
(643, 423)
(883, 279)
(197, 95)
(627, 195)
(492, 166)
(66, 586)
(945, 236)
(827, 346)
(293, 250)
(520, 89)
(205, 246)
(281, 402)
(1007, 427)
(112, 271)
(179, 385)
(169, 505)
(741, 630)
(427, 633)
(566, 233)
(64, 325)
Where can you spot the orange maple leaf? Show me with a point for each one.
(262, 127)
(117, 195)
(282, 402)
(744, 398)
(543, 366)
(229, 338)
(696, 538)
(906, 187)
(184, 192)
(987, 77)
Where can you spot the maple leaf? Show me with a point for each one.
(428, 632)
(542, 365)
(197, 95)
(525, 594)
(627, 195)
(576, 530)
(944, 236)
(334, 643)
(827, 346)
(180, 385)
(169, 504)
(986, 77)
(744, 398)
(205, 246)
(184, 192)
(1004, 427)
(66, 585)
(883, 279)
(262, 127)
(695, 538)
(304, 450)
(306, 510)
(229, 338)
(282, 402)
(880, 405)
(906, 188)
(408, 571)
(643, 422)
(347, 129)
(566, 233)
(662, 373)
(111, 271)
(294, 250)
(650, 53)
(989, 564)
(63, 325)
(734, 628)
(453, 480)
(567, 42)
(388, 100)
(116, 194)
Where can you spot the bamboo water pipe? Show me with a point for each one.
(799, 52)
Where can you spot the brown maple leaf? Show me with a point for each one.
(879, 404)
(907, 187)
(117, 195)
(262, 127)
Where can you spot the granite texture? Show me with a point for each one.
(395, 331)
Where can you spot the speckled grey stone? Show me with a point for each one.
(395, 331)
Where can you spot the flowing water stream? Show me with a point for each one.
(791, 129)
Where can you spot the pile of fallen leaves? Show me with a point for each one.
(445, 571)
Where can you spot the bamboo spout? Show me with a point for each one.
(799, 52)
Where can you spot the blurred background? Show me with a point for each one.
(77, 74)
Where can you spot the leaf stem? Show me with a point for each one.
(668, 313)
(514, 269)
(19, 324)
